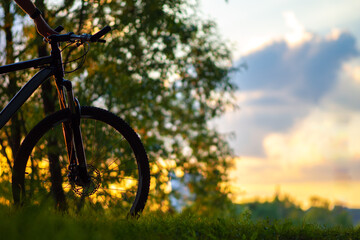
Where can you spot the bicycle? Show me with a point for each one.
(97, 175)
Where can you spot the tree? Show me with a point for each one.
(12, 46)
(283, 208)
(320, 213)
(165, 71)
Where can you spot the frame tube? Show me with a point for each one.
(24, 93)
(26, 64)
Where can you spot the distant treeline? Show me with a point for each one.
(284, 208)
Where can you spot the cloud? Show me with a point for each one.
(298, 34)
(322, 137)
(345, 94)
(321, 151)
(250, 170)
(283, 83)
(318, 154)
(354, 71)
(298, 126)
(307, 71)
(298, 123)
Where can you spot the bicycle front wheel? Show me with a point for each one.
(117, 163)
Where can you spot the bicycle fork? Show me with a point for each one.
(73, 138)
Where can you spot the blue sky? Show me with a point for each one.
(298, 126)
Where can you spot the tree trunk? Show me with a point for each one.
(48, 95)
(15, 134)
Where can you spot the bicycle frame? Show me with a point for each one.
(28, 89)
(52, 66)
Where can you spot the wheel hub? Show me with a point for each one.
(91, 187)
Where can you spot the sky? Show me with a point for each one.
(298, 128)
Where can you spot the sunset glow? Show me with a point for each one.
(298, 127)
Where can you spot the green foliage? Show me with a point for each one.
(163, 69)
(285, 209)
(37, 223)
(166, 72)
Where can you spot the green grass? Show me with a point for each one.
(36, 223)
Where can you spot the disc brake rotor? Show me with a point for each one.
(92, 187)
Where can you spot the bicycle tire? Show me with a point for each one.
(31, 179)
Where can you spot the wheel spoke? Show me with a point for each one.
(107, 150)
(116, 170)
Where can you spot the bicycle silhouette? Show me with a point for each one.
(83, 157)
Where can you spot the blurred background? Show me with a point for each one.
(297, 130)
(244, 108)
